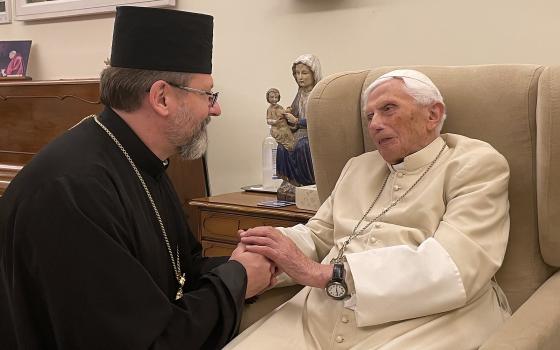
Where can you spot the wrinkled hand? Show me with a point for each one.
(260, 270)
(271, 243)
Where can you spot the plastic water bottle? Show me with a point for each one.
(269, 179)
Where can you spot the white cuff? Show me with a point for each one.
(400, 282)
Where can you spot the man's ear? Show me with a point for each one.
(436, 113)
(159, 97)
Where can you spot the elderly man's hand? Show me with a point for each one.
(271, 243)
(260, 270)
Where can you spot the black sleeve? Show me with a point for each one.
(200, 263)
(223, 315)
(75, 277)
(220, 312)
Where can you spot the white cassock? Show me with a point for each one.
(421, 277)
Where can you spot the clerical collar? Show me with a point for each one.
(141, 155)
(420, 158)
(397, 167)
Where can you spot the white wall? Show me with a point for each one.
(256, 40)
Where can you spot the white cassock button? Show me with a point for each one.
(377, 225)
(339, 339)
(371, 240)
(344, 318)
(400, 174)
(396, 188)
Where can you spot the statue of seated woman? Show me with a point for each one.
(294, 166)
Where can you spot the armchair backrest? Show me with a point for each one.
(548, 164)
(494, 103)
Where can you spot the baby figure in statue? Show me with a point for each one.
(277, 119)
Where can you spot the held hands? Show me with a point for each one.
(271, 243)
(260, 270)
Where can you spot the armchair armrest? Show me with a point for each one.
(535, 325)
(265, 303)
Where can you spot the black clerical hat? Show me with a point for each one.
(161, 39)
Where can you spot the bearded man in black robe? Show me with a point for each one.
(95, 252)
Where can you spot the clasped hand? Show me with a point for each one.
(260, 270)
(287, 257)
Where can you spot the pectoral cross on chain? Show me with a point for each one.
(181, 281)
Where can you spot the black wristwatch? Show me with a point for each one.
(336, 288)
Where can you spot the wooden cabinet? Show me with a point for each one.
(223, 215)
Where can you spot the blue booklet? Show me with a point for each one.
(274, 204)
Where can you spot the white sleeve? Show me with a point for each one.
(391, 283)
(316, 238)
(301, 236)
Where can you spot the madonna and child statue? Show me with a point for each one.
(289, 129)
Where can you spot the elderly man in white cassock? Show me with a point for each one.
(403, 253)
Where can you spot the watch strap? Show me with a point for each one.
(338, 272)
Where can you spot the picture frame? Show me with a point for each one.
(27, 10)
(5, 11)
(14, 56)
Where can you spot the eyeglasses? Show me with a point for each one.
(212, 96)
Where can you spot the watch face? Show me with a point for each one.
(336, 290)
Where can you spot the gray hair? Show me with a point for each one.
(124, 88)
(416, 84)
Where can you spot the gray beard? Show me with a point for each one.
(196, 146)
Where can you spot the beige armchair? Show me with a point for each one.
(516, 108)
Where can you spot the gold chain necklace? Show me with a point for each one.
(180, 277)
(354, 234)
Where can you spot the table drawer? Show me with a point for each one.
(210, 248)
(224, 227)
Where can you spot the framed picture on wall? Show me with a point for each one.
(14, 56)
(5, 11)
(25, 10)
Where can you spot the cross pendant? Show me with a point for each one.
(181, 281)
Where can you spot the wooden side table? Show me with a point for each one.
(223, 215)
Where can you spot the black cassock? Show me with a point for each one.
(83, 261)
